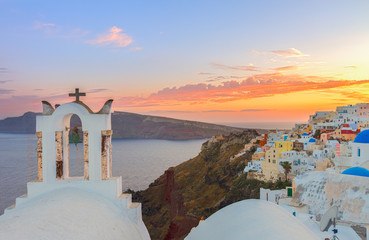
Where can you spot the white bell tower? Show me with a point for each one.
(52, 131)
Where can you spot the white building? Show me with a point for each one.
(318, 154)
(253, 166)
(307, 141)
(346, 114)
(360, 149)
(325, 125)
(319, 115)
(275, 137)
(300, 161)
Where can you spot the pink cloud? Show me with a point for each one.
(249, 67)
(114, 37)
(286, 68)
(291, 52)
(255, 52)
(203, 73)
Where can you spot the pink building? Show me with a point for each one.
(362, 111)
(324, 137)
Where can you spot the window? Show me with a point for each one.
(273, 161)
(358, 152)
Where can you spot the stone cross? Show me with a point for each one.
(77, 94)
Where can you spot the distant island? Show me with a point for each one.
(133, 126)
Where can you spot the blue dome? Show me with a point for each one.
(357, 171)
(312, 140)
(362, 137)
(304, 134)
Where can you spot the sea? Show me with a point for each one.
(138, 161)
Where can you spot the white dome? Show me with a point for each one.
(252, 219)
(68, 213)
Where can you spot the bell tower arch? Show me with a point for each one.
(52, 131)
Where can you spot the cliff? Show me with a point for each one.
(175, 202)
(130, 125)
(23, 124)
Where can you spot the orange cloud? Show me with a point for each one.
(286, 68)
(114, 37)
(257, 86)
(291, 52)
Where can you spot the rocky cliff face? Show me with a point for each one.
(176, 201)
(130, 125)
(22, 124)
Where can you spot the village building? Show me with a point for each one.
(300, 162)
(345, 114)
(253, 166)
(362, 111)
(266, 147)
(305, 136)
(298, 146)
(325, 136)
(324, 126)
(275, 137)
(360, 149)
(320, 115)
(346, 132)
(323, 164)
(270, 164)
(363, 125)
(258, 154)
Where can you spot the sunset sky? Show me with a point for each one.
(214, 61)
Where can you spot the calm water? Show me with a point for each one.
(139, 162)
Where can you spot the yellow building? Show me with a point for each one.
(270, 164)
